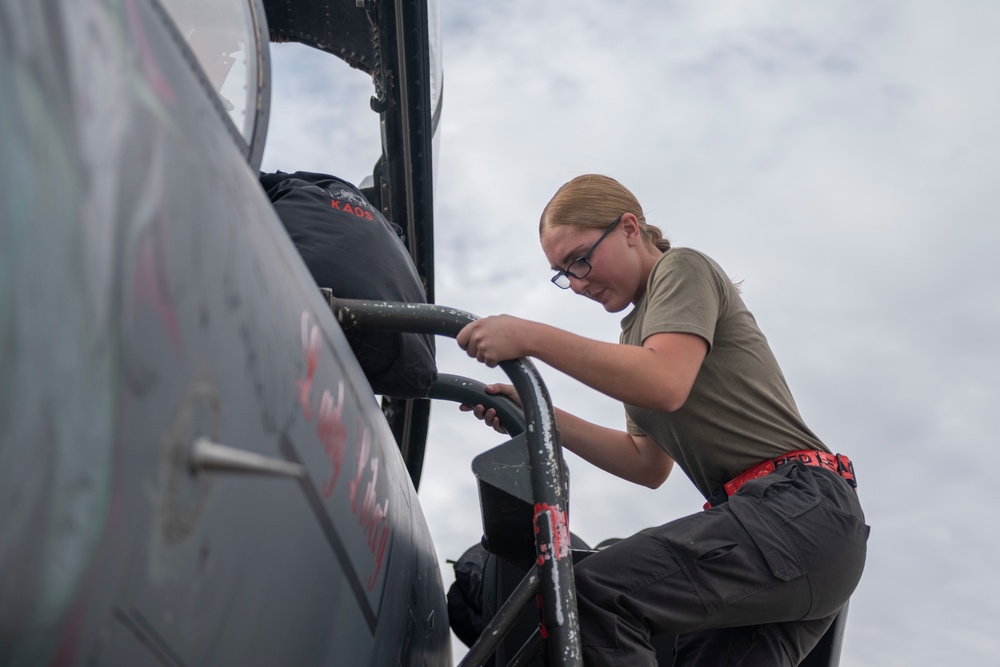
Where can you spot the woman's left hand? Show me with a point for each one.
(495, 339)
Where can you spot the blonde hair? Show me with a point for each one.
(593, 200)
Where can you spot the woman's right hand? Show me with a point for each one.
(489, 416)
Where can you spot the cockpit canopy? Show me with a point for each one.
(229, 40)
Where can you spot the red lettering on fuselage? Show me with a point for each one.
(360, 470)
(379, 551)
(332, 433)
(372, 516)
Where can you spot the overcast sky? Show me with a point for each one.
(836, 159)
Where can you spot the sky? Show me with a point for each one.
(834, 157)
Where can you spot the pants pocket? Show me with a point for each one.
(780, 555)
(722, 561)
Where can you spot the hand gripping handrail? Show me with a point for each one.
(552, 546)
(460, 389)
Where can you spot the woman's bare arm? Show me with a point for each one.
(637, 459)
(658, 376)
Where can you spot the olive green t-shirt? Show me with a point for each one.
(740, 411)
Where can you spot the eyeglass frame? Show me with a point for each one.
(585, 258)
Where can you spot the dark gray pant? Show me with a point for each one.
(755, 581)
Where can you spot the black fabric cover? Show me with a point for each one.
(465, 597)
(472, 597)
(351, 248)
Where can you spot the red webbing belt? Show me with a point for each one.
(838, 463)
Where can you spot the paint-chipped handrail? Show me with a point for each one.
(552, 547)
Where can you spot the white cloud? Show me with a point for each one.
(838, 158)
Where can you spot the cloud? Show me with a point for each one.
(837, 158)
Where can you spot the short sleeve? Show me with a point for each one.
(632, 428)
(684, 296)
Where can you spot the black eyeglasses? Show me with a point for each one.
(579, 268)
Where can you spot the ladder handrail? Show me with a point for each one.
(551, 529)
